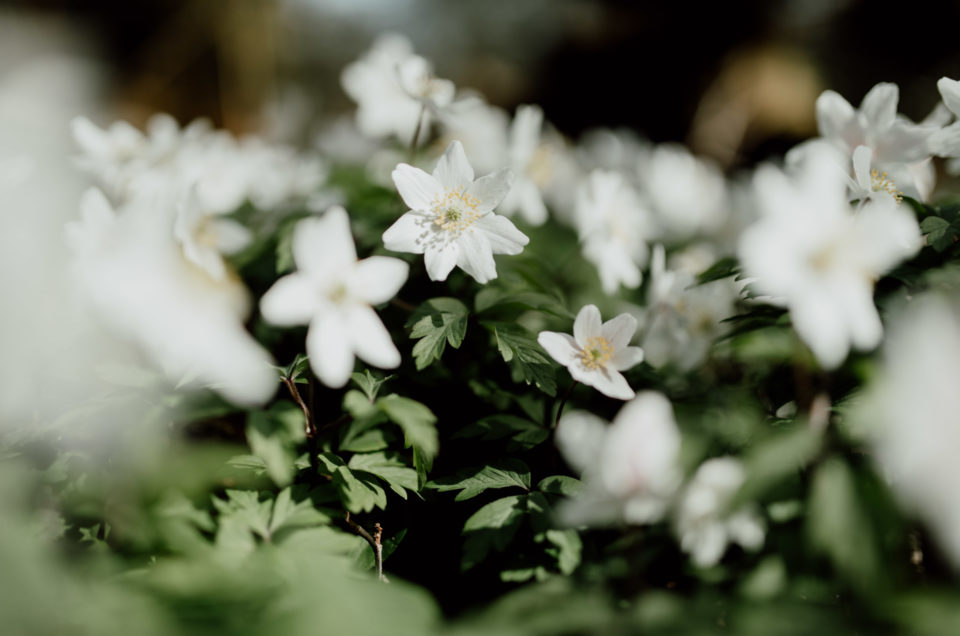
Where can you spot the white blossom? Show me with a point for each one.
(688, 194)
(333, 292)
(820, 259)
(629, 468)
(451, 219)
(596, 353)
(703, 519)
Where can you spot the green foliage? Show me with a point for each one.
(436, 323)
(505, 473)
(516, 346)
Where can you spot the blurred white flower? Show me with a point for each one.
(132, 271)
(614, 227)
(529, 160)
(682, 318)
(333, 292)
(818, 258)
(688, 194)
(451, 219)
(703, 519)
(205, 238)
(418, 81)
(911, 414)
(869, 183)
(946, 142)
(629, 469)
(596, 353)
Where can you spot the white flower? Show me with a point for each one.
(529, 161)
(451, 219)
(911, 415)
(205, 238)
(688, 194)
(614, 227)
(869, 183)
(596, 353)
(946, 142)
(682, 318)
(332, 292)
(703, 520)
(418, 81)
(818, 258)
(134, 274)
(630, 468)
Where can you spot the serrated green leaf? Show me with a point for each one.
(288, 515)
(370, 383)
(522, 433)
(245, 508)
(568, 551)
(416, 421)
(492, 527)
(938, 232)
(516, 346)
(357, 405)
(357, 493)
(363, 436)
(389, 468)
(560, 485)
(436, 323)
(504, 473)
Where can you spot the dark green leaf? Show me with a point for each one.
(505, 473)
(436, 323)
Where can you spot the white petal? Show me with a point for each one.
(818, 323)
(946, 141)
(417, 188)
(950, 92)
(409, 233)
(378, 279)
(440, 260)
(231, 237)
(580, 439)
(587, 324)
(609, 382)
(619, 331)
(855, 302)
(329, 349)
(626, 358)
(532, 208)
(292, 300)
(503, 235)
(453, 170)
(862, 157)
(476, 257)
(324, 245)
(370, 338)
(834, 115)
(879, 105)
(561, 346)
(490, 189)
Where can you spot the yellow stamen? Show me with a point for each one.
(455, 210)
(596, 353)
(881, 183)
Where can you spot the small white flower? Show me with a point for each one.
(529, 159)
(418, 81)
(451, 219)
(703, 520)
(869, 183)
(818, 258)
(630, 468)
(596, 353)
(614, 227)
(332, 292)
(205, 238)
(688, 194)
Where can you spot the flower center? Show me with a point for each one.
(455, 211)
(879, 182)
(337, 294)
(596, 353)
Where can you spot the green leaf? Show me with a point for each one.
(358, 405)
(492, 527)
(776, 458)
(370, 383)
(389, 468)
(288, 515)
(505, 473)
(245, 508)
(416, 420)
(723, 268)
(357, 493)
(363, 436)
(522, 433)
(560, 485)
(517, 346)
(365, 558)
(838, 526)
(436, 323)
(938, 232)
(271, 439)
(568, 550)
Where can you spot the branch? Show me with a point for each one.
(374, 541)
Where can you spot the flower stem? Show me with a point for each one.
(563, 402)
(375, 543)
(416, 134)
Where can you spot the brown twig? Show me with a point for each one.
(309, 427)
(375, 543)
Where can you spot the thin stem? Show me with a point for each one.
(563, 402)
(309, 428)
(416, 133)
(375, 543)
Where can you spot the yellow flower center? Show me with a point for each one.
(596, 353)
(338, 294)
(455, 210)
(879, 182)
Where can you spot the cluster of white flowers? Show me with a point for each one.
(631, 474)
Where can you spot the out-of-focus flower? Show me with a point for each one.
(333, 292)
(205, 238)
(614, 227)
(529, 161)
(688, 194)
(596, 353)
(703, 519)
(682, 318)
(911, 414)
(818, 258)
(946, 142)
(137, 279)
(451, 219)
(629, 469)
